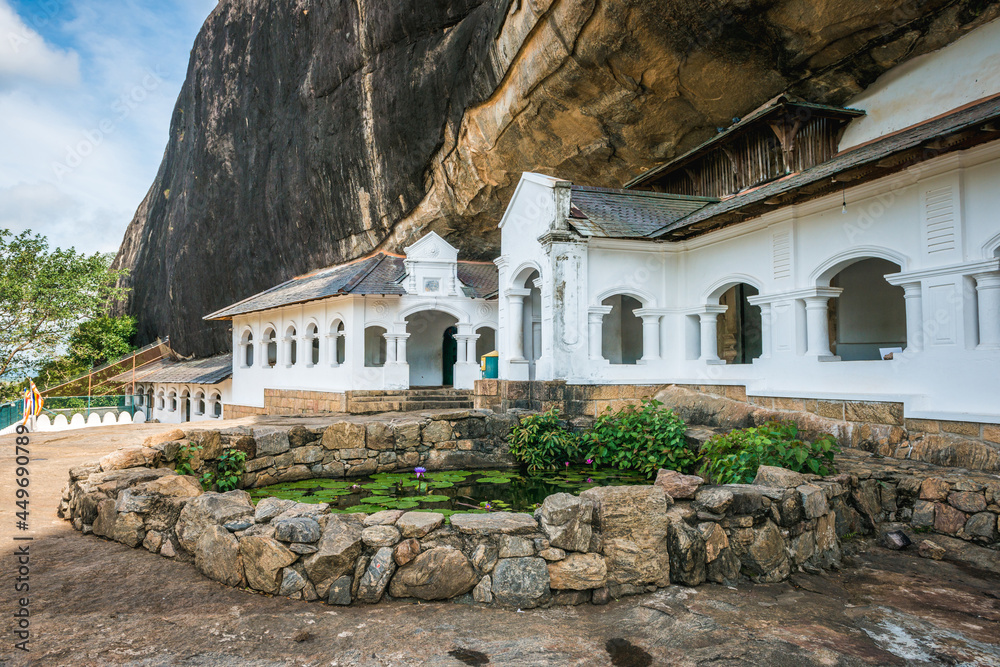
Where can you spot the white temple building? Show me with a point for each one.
(806, 251)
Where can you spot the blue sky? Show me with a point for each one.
(87, 88)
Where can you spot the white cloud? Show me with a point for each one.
(24, 54)
(79, 156)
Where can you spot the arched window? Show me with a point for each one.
(621, 334)
(739, 328)
(374, 346)
(216, 406)
(869, 314)
(270, 348)
(172, 401)
(246, 342)
(338, 343)
(312, 334)
(199, 403)
(291, 346)
(487, 342)
(159, 400)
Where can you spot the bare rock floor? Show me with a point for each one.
(96, 602)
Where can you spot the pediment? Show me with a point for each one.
(431, 247)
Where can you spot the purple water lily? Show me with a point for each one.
(589, 480)
(567, 464)
(589, 461)
(420, 470)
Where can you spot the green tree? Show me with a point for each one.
(45, 294)
(93, 343)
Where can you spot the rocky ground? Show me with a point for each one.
(96, 602)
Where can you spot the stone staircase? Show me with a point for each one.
(409, 400)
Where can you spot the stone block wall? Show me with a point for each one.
(290, 402)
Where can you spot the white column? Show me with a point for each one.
(709, 320)
(913, 295)
(515, 322)
(988, 294)
(595, 331)
(817, 326)
(650, 337)
(470, 356)
(462, 353)
(401, 347)
(332, 347)
(390, 348)
(765, 331)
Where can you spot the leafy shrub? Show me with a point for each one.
(231, 469)
(184, 456)
(733, 458)
(541, 442)
(644, 438)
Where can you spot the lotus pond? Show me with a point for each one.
(447, 491)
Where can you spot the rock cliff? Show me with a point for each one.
(313, 131)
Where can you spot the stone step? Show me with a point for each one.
(369, 407)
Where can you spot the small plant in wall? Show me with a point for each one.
(541, 442)
(231, 468)
(184, 457)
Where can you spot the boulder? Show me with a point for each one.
(483, 592)
(315, 510)
(521, 582)
(512, 546)
(271, 441)
(263, 561)
(296, 529)
(292, 582)
(130, 457)
(629, 563)
(406, 551)
(923, 514)
(893, 539)
(435, 574)
(493, 523)
(165, 436)
(217, 555)
(715, 539)
(934, 489)
(270, 507)
(713, 499)
(210, 443)
(418, 524)
(552, 554)
(766, 558)
(725, 568)
(211, 509)
(484, 558)
(780, 478)
(340, 591)
(814, 503)
(566, 521)
(380, 536)
(383, 517)
(338, 550)
(632, 523)
(677, 485)
(377, 575)
(688, 554)
(128, 529)
(982, 526)
(578, 572)
(948, 520)
(107, 515)
(966, 501)
(931, 550)
(344, 435)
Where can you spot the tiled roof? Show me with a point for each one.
(380, 273)
(210, 370)
(627, 213)
(872, 155)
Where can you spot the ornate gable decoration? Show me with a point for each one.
(431, 267)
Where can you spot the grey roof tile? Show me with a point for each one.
(615, 213)
(209, 370)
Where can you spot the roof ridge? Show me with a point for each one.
(358, 279)
(642, 193)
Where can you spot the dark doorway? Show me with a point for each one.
(449, 355)
(739, 330)
(187, 408)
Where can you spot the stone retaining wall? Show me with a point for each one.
(291, 402)
(871, 425)
(606, 543)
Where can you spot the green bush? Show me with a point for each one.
(231, 469)
(184, 456)
(541, 442)
(644, 438)
(733, 458)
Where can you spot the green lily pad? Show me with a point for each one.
(493, 480)
(432, 499)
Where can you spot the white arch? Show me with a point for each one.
(125, 418)
(521, 273)
(457, 313)
(991, 247)
(77, 421)
(822, 275)
(42, 423)
(336, 319)
(719, 287)
(109, 418)
(60, 422)
(247, 330)
(645, 298)
(139, 418)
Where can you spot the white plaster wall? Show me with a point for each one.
(425, 346)
(787, 255)
(222, 390)
(929, 85)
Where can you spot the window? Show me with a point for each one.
(271, 347)
(739, 328)
(247, 344)
(375, 346)
(159, 401)
(312, 334)
(338, 343)
(172, 402)
(621, 335)
(869, 314)
(291, 346)
(199, 405)
(216, 406)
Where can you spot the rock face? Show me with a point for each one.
(360, 124)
